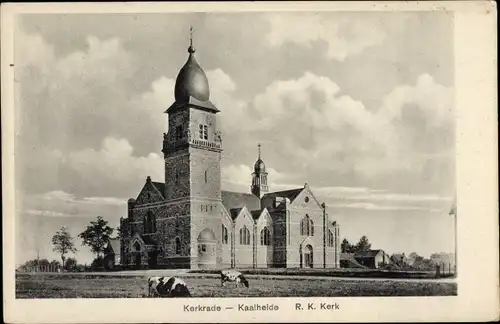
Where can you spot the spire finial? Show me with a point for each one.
(191, 48)
(259, 149)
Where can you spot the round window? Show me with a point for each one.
(307, 199)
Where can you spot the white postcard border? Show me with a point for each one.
(477, 183)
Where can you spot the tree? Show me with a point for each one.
(346, 247)
(363, 244)
(118, 232)
(63, 243)
(96, 235)
(70, 264)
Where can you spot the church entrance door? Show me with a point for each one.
(152, 259)
(308, 257)
(138, 260)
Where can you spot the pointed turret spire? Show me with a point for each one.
(259, 177)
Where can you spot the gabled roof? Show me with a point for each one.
(114, 245)
(157, 189)
(290, 194)
(398, 256)
(148, 240)
(232, 200)
(256, 214)
(348, 260)
(234, 212)
(160, 186)
(367, 254)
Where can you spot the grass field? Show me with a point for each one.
(68, 286)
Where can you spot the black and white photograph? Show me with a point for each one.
(239, 154)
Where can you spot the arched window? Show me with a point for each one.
(206, 176)
(265, 236)
(247, 236)
(149, 223)
(244, 236)
(330, 238)
(307, 226)
(177, 246)
(224, 234)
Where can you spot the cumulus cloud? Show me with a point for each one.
(319, 130)
(343, 37)
(115, 165)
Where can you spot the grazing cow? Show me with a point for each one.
(167, 287)
(233, 276)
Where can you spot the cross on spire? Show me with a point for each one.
(191, 49)
(191, 35)
(259, 149)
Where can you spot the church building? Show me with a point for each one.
(189, 222)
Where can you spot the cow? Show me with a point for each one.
(167, 287)
(233, 276)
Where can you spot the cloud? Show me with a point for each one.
(343, 37)
(372, 206)
(113, 165)
(361, 193)
(321, 131)
(59, 203)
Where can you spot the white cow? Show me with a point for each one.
(167, 287)
(233, 276)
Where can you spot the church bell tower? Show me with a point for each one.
(192, 152)
(259, 178)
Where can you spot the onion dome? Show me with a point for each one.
(259, 166)
(191, 80)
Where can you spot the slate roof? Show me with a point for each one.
(160, 186)
(256, 214)
(234, 212)
(398, 257)
(114, 244)
(290, 194)
(348, 260)
(148, 240)
(366, 254)
(232, 200)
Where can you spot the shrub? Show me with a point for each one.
(97, 264)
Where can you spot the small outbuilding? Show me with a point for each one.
(373, 259)
(112, 254)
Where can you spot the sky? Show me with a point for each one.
(357, 104)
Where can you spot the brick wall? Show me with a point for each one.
(177, 175)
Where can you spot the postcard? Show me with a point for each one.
(253, 162)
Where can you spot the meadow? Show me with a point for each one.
(95, 286)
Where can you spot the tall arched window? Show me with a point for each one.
(206, 176)
(149, 223)
(307, 226)
(224, 234)
(244, 236)
(265, 236)
(330, 238)
(177, 246)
